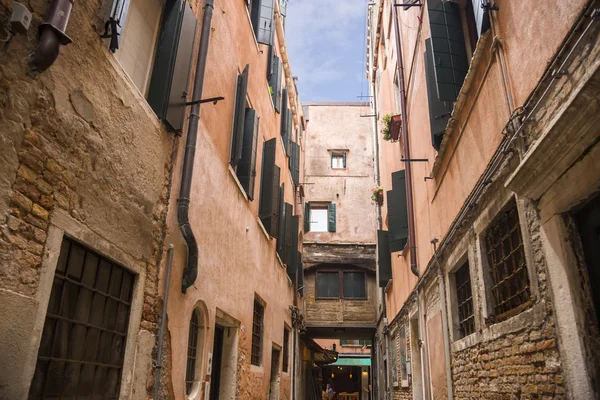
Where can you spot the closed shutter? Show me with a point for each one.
(295, 163)
(269, 189)
(246, 169)
(282, 221)
(439, 111)
(262, 20)
(292, 267)
(290, 131)
(284, 107)
(449, 52)
(270, 62)
(167, 93)
(300, 274)
(384, 258)
(397, 213)
(285, 136)
(113, 27)
(275, 83)
(307, 217)
(344, 159)
(331, 217)
(239, 117)
(287, 253)
(482, 18)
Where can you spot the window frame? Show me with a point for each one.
(285, 351)
(314, 208)
(341, 284)
(339, 156)
(261, 334)
(191, 360)
(461, 268)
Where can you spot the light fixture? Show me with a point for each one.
(350, 376)
(332, 375)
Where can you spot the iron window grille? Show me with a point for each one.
(190, 372)
(464, 296)
(257, 333)
(83, 342)
(507, 265)
(286, 349)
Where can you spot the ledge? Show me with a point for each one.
(237, 181)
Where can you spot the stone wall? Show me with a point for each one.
(80, 141)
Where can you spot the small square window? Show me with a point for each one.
(318, 219)
(338, 160)
(464, 300)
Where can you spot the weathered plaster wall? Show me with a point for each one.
(237, 259)
(340, 127)
(80, 140)
(328, 344)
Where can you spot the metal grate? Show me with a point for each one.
(83, 341)
(508, 270)
(286, 349)
(257, 332)
(190, 372)
(465, 301)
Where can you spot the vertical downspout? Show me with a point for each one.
(190, 273)
(163, 322)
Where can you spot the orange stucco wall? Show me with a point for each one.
(478, 127)
(237, 259)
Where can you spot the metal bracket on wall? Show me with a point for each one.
(408, 5)
(414, 160)
(213, 100)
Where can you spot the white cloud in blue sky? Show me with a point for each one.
(326, 40)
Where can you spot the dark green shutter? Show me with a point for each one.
(344, 158)
(246, 170)
(397, 213)
(449, 52)
(282, 221)
(331, 217)
(289, 237)
(262, 20)
(439, 111)
(239, 117)
(295, 163)
(384, 258)
(284, 107)
(268, 210)
(290, 131)
(275, 83)
(270, 62)
(172, 64)
(292, 267)
(307, 217)
(300, 274)
(482, 18)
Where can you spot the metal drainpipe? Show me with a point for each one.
(190, 273)
(52, 34)
(445, 327)
(163, 320)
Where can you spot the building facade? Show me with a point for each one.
(485, 253)
(124, 123)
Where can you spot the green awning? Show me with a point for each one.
(353, 362)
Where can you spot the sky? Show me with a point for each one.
(326, 47)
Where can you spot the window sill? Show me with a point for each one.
(281, 264)
(252, 30)
(237, 181)
(262, 227)
(256, 369)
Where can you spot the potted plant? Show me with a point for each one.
(377, 195)
(386, 131)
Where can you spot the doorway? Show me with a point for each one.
(274, 386)
(415, 350)
(215, 379)
(224, 363)
(588, 221)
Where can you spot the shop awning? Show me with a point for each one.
(353, 362)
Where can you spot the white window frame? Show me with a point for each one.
(318, 219)
(338, 160)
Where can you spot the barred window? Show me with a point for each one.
(507, 266)
(465, 301)
(83, 342)
(190, 373)
(286, 349)
(257, 333)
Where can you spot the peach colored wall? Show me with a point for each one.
(237, 259)
(438, 201)
(328, 344)
(341, 127)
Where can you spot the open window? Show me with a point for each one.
(338, 160)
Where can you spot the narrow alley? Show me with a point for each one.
(300, 199)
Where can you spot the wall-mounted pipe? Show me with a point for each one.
(52, 34)
(190, 273)
(408, 168)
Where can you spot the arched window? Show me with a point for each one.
(192, 353)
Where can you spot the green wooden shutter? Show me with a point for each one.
(331, 217)
(239, 117)
(482, 18)
(344, 158)
(275, 83)
(449, 52)
(268, 210)
(294, 249)
(284, 107)
(289, 236)
(115, 23)
(270, 62)
(282, 221)
(295, 163)
(290, 132)
(246, 169)
(439, 111)
(172, 64)
(262, 20)
(300, 275)
(397, 213)
(307, 217)
(384, 258)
